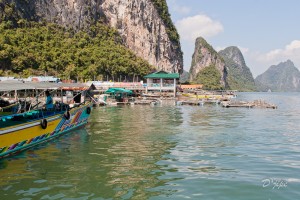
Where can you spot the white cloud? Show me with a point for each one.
(200, 25)
(290, 51)
(259, 62)
(294, 45)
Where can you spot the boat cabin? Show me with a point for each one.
(31, 95)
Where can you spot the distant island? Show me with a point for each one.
(220, 70)
(284, 77)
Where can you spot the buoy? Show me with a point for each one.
(44, 123)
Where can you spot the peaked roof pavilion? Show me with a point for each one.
(163, 75)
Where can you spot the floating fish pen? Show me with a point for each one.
(251, 104)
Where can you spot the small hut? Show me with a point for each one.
(162, 81)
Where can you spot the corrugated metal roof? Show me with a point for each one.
(17, 85)
(14, 85)
(163, 75)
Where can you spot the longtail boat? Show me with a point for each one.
(21, 131)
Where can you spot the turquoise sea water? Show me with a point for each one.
(167, 152)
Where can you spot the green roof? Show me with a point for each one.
(117, 90)
(163, 75)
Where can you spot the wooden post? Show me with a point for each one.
(62, 99)
(174, 87)
(161, 85)
(25, 95)
(147, 85)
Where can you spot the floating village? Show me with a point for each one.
(28, 118)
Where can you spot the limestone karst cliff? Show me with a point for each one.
(227, 67)
(144, 32)
(239, 76)
(138, 22)
(284, 77)
(205, 56)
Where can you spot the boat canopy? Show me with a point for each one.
(117, 90)
(13, 85)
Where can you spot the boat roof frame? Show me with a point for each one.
(6, 86)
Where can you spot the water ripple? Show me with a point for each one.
(166, 152)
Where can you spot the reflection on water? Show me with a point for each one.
(159, 152)
(115, 156)
(128, 146)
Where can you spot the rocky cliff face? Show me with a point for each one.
(239, 76)
(205, 56)
(138, 22)
(144, 32)
(284, 77)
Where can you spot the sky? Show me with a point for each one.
(266, 31)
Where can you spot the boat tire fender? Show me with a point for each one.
(88, 110)
(44, 123)
(67, 115)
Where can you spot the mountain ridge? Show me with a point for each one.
(283, 77)
(225, 69)
(239, 76)
(207, 62)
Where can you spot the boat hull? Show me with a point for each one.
(21, 137)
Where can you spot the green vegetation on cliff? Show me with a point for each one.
(37, 49)
(31, 48)
(207, 66)
(210, 78)
(239, 76)
(163, 11)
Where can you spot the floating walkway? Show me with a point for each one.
(228, 104)
(251, 104)
(198, 103)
